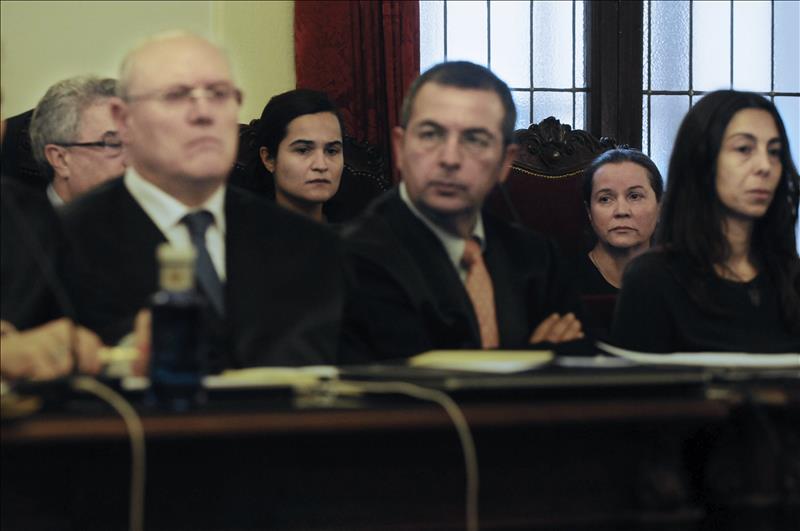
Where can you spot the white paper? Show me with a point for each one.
(738, 360)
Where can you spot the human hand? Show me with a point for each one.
(141, 340)
(87, 349)
(558, 329)
(45, 352)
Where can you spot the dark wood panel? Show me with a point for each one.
(60, 426)
(638, 463)
(614, 37)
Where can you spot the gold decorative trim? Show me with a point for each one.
(529, 172)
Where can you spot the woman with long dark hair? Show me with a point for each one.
(725, 275)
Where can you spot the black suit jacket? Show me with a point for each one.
(283, 292)
(31, 243)
(406, 296)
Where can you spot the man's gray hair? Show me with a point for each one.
(57, 116)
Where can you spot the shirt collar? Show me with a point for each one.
(454, 245)
(53, 196)
(166, 211)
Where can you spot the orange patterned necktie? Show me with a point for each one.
(481, 293)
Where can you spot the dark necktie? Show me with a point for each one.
(207, 278)
(481, 293)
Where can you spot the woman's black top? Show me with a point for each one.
(589, 279)
(657, 313)
(597, 295)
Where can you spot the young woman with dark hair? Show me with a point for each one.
(299, 140)
(725, 275)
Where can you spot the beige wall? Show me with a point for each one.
(44, 42)
(260, 39)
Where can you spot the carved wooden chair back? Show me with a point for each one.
(543, 189)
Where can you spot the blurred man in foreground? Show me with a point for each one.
(272, 279)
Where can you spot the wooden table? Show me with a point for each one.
(557, 463)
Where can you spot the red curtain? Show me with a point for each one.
(364, 54)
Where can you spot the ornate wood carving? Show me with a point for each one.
(542, 191)
(552, 149)
(366, 161)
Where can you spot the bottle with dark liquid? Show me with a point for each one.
(176, 364)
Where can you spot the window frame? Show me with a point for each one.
(533, 89)
(614, 38)
(614, 32)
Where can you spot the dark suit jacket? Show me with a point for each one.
(284, 286)
(406, 296)
(31, 242)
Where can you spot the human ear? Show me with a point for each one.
(119, 114)
(508, 159)
(56, 156)
(266, 160)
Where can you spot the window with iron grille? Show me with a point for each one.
(537, 47)
(625, 69)
(585, 61)
(691, 47)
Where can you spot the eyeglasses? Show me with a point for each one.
(110, 143)
(183, 95)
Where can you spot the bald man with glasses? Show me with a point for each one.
(273, 281)
(74, 139)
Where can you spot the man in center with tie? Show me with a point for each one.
(273, 280)
(430, 269)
